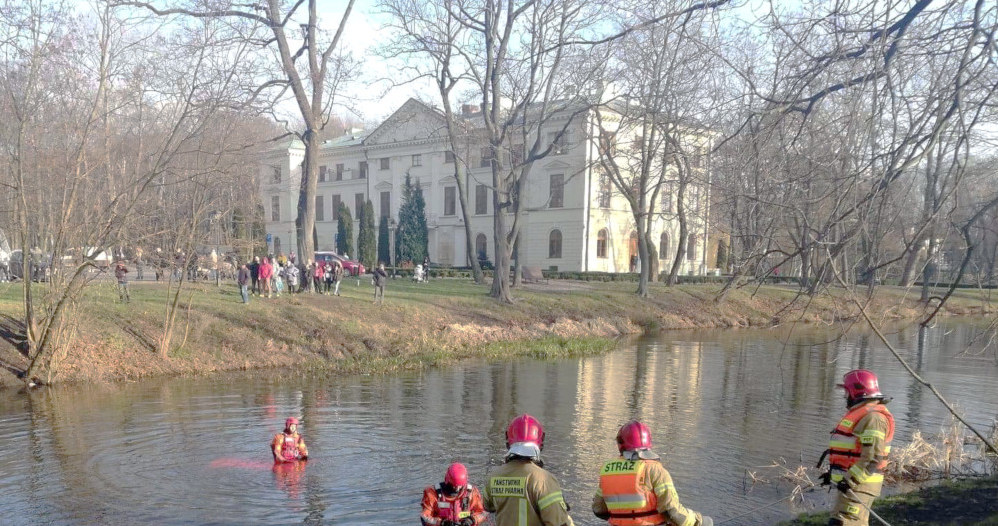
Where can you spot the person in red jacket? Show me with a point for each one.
(289, 446)
(454, 502)
(266, 274)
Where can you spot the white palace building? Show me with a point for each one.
(573, 219)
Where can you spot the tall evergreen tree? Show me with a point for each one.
(384, 250)
(344, 231)
(412, 238)
(367, 250)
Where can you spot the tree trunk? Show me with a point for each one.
(500, 278)
(683, 233)
(305, 222)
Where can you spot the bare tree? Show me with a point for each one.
(313, 82)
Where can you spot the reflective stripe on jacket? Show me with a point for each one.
(849, 438)
(627, 500)
(289, 447)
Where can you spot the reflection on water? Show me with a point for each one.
(719, 403)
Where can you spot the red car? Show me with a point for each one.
(352, 268)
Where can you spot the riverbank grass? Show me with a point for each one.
(971, 502)
(419, 324)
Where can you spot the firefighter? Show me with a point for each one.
(522, 492)
(636, 490)
(454, 502)
(857, 452)
(289, 446)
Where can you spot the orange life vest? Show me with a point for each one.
(629, 503)
(844, 447)
(454, 507)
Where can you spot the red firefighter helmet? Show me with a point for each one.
(457, 475)
(633, 436)
(525, 428)
(860, 383)
(289, 421)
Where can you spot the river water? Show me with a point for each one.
(720, 402)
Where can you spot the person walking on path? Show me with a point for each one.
(242, 279)
(857, 451)
(635, 489)
(121, 274)
(379, 280)
(254, 269)
(521, 492)
(454, 502)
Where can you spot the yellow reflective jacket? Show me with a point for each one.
(655, 481)
(521, 493)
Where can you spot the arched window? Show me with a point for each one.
(601, 242)
(481, 247)
(554, 244)
(663, 246)
(277, 246)
(691, 247)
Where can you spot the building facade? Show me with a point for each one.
(572, 218)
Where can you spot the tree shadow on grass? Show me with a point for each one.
(13, 332)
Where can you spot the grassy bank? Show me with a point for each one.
(966, 503)
(419, 324)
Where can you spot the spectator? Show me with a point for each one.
(254, 269)
(121, 274)
(380, 277)
(266, 274)
(330, 268)
(280, 275)
(426, 268)
(291, 272)
(306, 276)
(243, 279)
(318, 274)
(337, 273)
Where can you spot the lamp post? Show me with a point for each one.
(391, 243)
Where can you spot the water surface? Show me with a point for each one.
(720, 403)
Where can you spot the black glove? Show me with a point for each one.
(826, 478)
(447, 522)
(467, 521)
(844, 486)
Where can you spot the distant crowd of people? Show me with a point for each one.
(271, 276)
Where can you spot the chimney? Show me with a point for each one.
(469, 109)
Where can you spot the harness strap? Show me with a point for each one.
(635, 515)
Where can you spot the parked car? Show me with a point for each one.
(350, 267)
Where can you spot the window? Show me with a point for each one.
(666, 197)
(481, 247)
(358, 201)
(601, 243)
(557, 191)
(385, 163)
(554, 244)
(320, 212)
(417, 160)
(339, 172)
(363, 170)
(322, 173)
(604, 191)
(663, 246)
(559, 142)
(638, 144)
(275, 208)
(691, 247)
(486, 160)
(449, 196)
(336, 207)
(277, 245)
(386, 204)
(481, 199)
(275, 174)
(448, 157)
